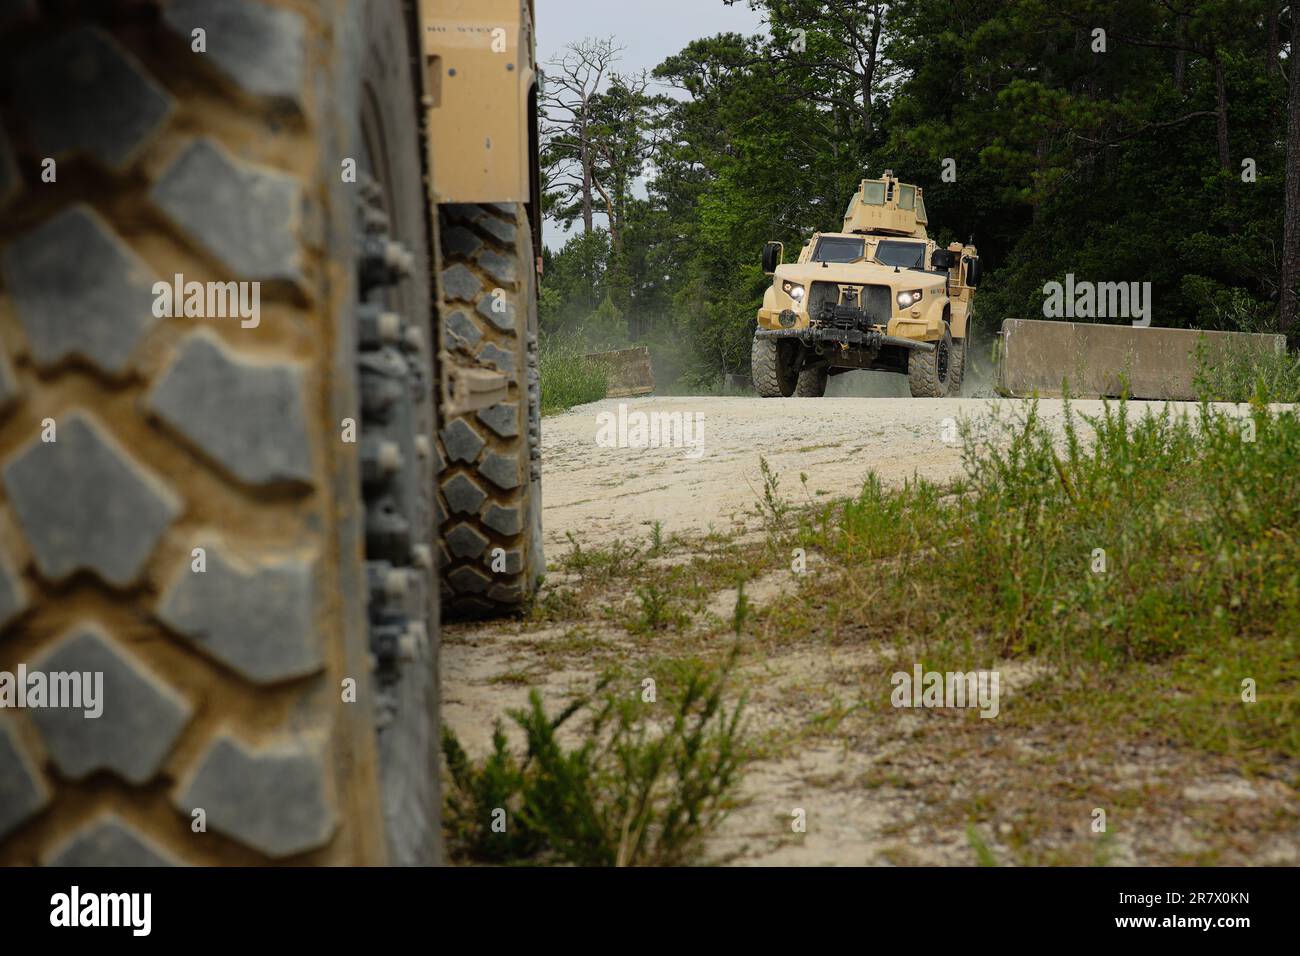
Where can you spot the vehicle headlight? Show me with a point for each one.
(908, 299)
(793, 290)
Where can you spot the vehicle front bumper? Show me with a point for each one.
(856, 338)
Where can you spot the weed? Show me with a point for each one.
(656, 611)
(569, 378)
(741, 611)
(1239, 374)
(773, 508)
(640, 788)
(983, 855)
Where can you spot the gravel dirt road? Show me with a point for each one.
(877, 798)
(600, 494)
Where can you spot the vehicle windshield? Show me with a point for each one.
(838, 249)
(905, 255)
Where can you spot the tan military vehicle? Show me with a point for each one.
(876, 295)
(268, 384)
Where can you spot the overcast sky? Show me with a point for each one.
(651, 31)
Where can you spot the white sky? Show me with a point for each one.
(651, 31)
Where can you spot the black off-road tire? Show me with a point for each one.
(489, 482)
(958, 359)
(773, 365)
(243, 682)
(812, 382)
(929, 374)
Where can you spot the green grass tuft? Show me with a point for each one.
(569, 378)
(1243, 375)
(1156, 554)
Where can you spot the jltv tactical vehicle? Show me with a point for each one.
(876, 295)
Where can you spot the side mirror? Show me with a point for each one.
(974, 270)
(773, 254)
(943, 260)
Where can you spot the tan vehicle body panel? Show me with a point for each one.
(480, 73)
(480, 66)
(873, 222)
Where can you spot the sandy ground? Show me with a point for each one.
(600, 490)
(604, 493)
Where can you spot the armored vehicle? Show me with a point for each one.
(878, 295)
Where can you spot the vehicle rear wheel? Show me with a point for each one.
(812, 382)
(929, 374)
(236, 543)
(958, 360)
(490, 475)
(774, 366)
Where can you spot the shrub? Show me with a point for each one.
(639, 789)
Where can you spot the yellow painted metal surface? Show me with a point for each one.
(887, 207)
(479, 61)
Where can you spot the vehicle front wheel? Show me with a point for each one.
(774, 366)
(929, 374)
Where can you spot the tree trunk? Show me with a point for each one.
(615, 238)
(584, 159)
(1287, 317)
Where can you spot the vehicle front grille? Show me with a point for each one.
(877, 302)
(873, 301)
(820, 294)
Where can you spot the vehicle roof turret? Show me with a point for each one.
(886, 207)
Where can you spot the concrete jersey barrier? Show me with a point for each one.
(1036, 356)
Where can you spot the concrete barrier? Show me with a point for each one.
(630, 372)
(1036, 356)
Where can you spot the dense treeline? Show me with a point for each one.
(1118, 141)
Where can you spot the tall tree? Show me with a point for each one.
(572, 84)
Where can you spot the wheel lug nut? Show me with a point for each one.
(377, 327)
(380, 460)
(411, 645)
(395, 584)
